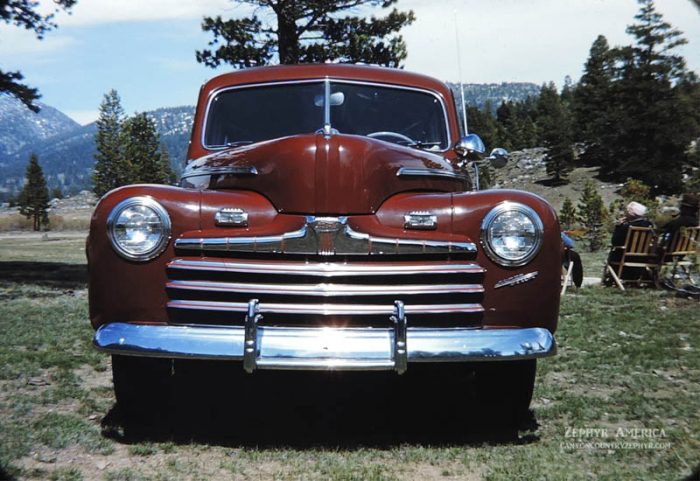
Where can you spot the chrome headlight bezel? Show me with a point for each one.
(161, 213)
(490, 218)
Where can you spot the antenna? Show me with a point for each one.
(459, 74)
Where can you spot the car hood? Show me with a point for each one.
(333, 175)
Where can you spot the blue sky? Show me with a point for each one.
(146, 49)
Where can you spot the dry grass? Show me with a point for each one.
(626, 360)
(10, 222)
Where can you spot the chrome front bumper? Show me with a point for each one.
(309, 348)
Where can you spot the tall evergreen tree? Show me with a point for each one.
(554, 124)
(505, 126)
(34, 198)
(141, 141)
(592, 105)
(654, 119)
(567, 93)
(111, 169)
(482, 123)
(169, 176)
(306, 31)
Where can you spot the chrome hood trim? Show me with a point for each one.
(326, 236)
(195, 170)
(420, 172)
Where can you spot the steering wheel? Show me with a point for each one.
(395, 135)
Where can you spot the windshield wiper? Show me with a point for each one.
(419, 144)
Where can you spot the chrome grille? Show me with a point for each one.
(291, 293)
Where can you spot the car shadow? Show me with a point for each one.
(48, 274)
(304, 410)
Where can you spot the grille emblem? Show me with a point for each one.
(326, 230)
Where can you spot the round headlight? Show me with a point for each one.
(139, 228)
(511, 234)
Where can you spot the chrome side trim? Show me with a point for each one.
(273, 244)
(324, 309)
(414, 172)
(515, 280)
(325, 269)
(325, 236)
(325, 348)
(232, 170)
(325, 289)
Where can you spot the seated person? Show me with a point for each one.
(688, 217)
(571, 256)
(635, 216)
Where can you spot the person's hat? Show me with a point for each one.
(635, 209)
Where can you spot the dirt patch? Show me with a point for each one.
(526, 170)
(91, 379)
(444, 471)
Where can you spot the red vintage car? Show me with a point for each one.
(326, 220)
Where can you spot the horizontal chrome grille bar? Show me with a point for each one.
(326, 236)
(326, 290)
(325, 269)
(325, 309)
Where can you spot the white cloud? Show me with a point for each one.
(22, 43)
(93, 12)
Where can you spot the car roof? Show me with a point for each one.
(367, 73)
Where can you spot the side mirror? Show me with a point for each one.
(470, 147)
(498, 158)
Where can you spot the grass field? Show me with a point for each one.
(620, 401)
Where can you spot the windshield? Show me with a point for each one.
(245, 115)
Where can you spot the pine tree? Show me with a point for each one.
(140, 142)
(654, 120)
(567, 215)
(505, 120)
(306, 31)
(592, 215)
(567, 93)
(111, 169)
(482, 123)
(554, 125)
(34, 198)
(592, 106)
(169, 176)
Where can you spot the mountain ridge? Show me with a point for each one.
(66, 149)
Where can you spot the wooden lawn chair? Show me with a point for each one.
(639, 252)
(677, 253)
